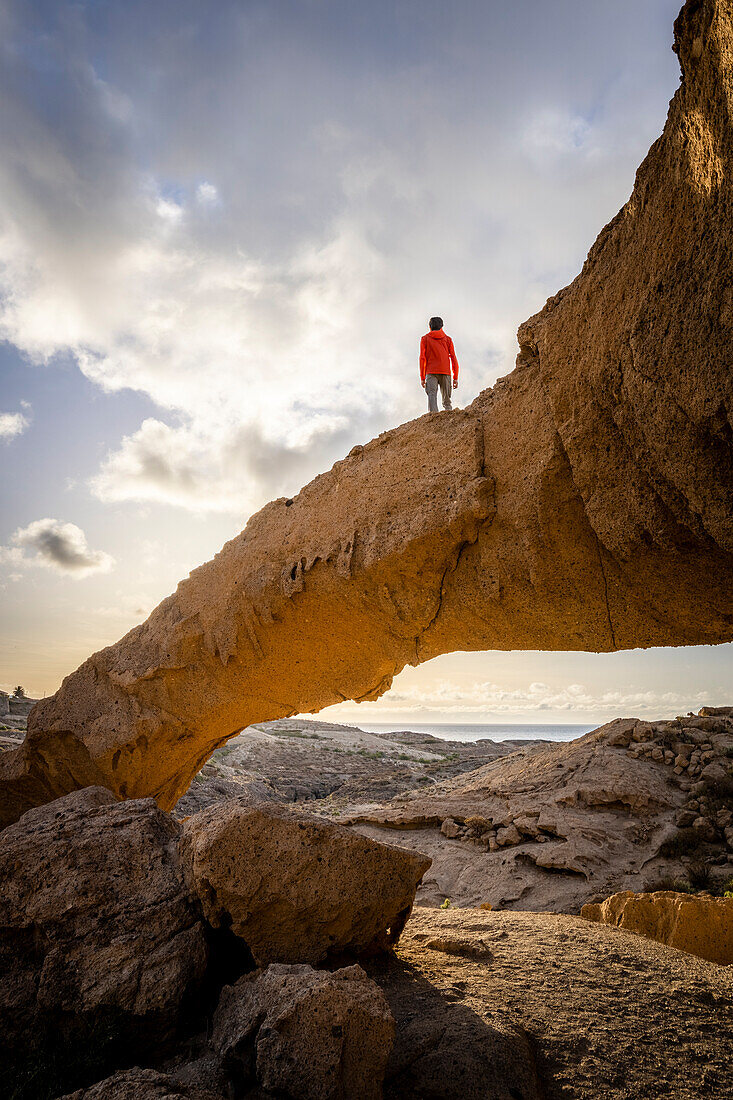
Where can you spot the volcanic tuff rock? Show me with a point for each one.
(314, 1035)
(295, 888)
(701, 925)
(562, 825)
(585, 502)
(99, 938)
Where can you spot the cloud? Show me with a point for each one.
(486, 700)
(127, 608)
(59, 546)
(362, 196)
(183, 465)
(207, 194)
(12, 425)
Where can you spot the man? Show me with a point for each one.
(437, 355)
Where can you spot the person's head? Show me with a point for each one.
(436, 323)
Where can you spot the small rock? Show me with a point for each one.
(714, 773)
(508, 836)
(643, 731)
(685, 818)
(450, 829)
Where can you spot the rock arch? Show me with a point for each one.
(585, 502)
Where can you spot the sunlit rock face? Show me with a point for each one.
(585, 502)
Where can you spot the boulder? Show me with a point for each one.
(296, 887)
(141, 1084)
(714, 773)
(311, 1034)
(100, 940)
(696, 923)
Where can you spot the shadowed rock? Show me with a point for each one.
(100, 940)
(585, 503)
(306, 1033)
(141, 1084)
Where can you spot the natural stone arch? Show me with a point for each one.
(585, 502)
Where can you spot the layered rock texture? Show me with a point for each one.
(700, 925)
(628, 806)
(585, 502)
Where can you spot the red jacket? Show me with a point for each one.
(437, 354)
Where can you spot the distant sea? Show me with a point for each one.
(460, 732)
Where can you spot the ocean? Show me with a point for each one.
(496, 732)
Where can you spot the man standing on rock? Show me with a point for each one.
(437, 355)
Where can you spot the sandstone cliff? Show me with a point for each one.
(585, 502)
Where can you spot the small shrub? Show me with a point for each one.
(678, 885)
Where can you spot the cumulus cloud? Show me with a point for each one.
(12, 425)
(56, 545)
(362, 196)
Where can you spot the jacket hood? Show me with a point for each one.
(436, 333)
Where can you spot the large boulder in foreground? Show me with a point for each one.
(696, 923)
(100, 940)
(296, 888)
(311, 1034)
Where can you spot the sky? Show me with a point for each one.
(222, 230)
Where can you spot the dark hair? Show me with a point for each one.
(436, 322)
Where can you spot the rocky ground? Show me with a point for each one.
(254, 953)
(296, 760)
(519, 825)
(633, 805)
(525, 1005)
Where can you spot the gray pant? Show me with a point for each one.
(432, 381)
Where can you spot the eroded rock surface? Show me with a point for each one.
(296, 888)
(310, 1034)
(100, 940)
(699, 924)
(627, 806)
(585, 502)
